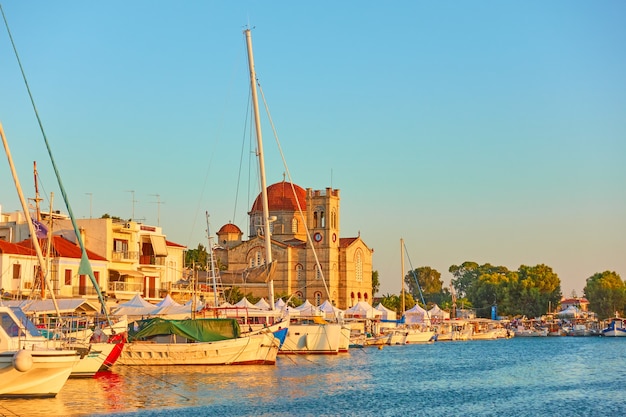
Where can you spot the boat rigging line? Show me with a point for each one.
(416, 281)
(84, 266)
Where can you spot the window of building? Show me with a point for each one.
(299, 295)
(322, 219)
(359, 296)
(299, 272)
(68, 277)
(96, 275)
(318, 298)
(120, 245)
(365, 297)
(294, 225)
(318, 272)
(17, 271)
(358, 266)
(315, 219)
(333, 219)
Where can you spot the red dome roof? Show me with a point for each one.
(280, 196)
(229, 228)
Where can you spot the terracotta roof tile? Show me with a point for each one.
(15, 249)
(229, 228)
(280, 196)
(63, 248)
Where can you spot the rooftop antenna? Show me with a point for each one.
(132, 218)
(90, 204)
(158, 203)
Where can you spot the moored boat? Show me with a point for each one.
(158, 341)
(313, 335)
(615, 328)
(38, 370)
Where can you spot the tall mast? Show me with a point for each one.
(259, 139)
(212, 270)
(402, 272)
(29, 221)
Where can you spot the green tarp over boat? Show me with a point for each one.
(200, 330)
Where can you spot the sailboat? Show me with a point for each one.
(408, 332)
(90, 362)
(305, 334)
(29, 364)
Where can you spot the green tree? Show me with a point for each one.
(233, 295)
(394, 302)
(197, 258)
(606, 293)
(429, 282)
(536, 289)
(464, 277)
(490, 289)
(375, 283)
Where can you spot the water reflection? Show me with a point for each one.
(513, 377)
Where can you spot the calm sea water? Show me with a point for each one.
(560, 376)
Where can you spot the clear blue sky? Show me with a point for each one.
(482, 131)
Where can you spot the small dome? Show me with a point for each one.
(229, 228)
(280, 196)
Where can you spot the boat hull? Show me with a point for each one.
(313, 339)
(92, 360)
(45, 377)
(259, 349)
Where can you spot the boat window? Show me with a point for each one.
(26, 322)
(9, 325)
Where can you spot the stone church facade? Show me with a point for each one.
(344, 275)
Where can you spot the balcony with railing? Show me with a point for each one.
(151, 260)
(124, 287)
(125, 256)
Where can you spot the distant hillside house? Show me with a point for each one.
(580, 303)
(346, 263)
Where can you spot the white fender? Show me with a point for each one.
(22, 360)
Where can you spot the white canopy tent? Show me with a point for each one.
(386, 313)
(363, 310)
(570, 312)
(245, 303)
(330, 311)
(307, 309)
(416, 315)
(136, 306)
(436, 313)
(262, 304)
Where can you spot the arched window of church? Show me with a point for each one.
(333, 219)
(358, 266)
(299, 272)
(258, 258)
(365, 297)
(322, 219)
(294, 225)
(299, 295)
(318, 298)
(359, 295)
(352, 296)
(318, 272)
(315, 219)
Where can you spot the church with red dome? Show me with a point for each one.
(312, 261)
